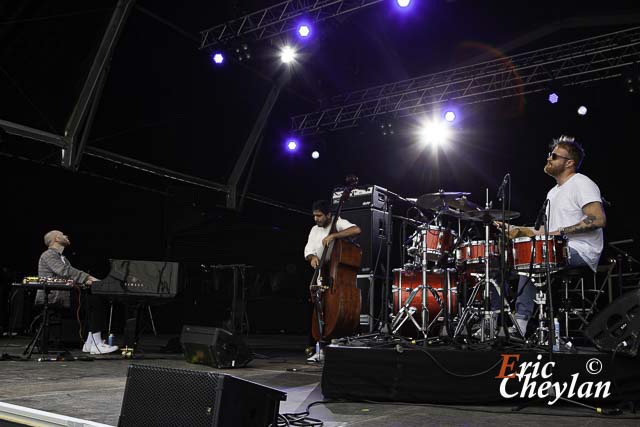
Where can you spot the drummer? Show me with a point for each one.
(575, 212)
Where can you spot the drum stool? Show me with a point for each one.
(577, 299)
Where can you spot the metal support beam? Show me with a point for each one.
(56, 140)
(153, 169)
(254, 135)
(31, 133)
(95, 102)
(181, 177)
(91, 90)
(592, 59)
(279, 19)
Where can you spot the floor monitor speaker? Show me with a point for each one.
(617, 327)
(159, 396)
(214, 347)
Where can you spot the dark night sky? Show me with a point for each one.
(164, 103)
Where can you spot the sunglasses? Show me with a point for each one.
(555, 156)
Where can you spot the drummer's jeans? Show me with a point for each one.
(527, 290)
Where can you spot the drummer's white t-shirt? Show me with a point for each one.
(565, 209)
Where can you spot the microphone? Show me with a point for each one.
(506, 178)
(540, 216)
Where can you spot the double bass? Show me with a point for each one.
(334, 293)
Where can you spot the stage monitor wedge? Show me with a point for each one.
(214, 347)
(159, 396)
(617, 327)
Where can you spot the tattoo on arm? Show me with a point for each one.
(587, 224)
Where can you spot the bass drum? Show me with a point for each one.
(405, 281)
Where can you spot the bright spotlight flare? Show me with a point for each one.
(218, 58)
(450, 116)
(287, 54)
(553, 97)
(315, 155)
(434, 133)
(304, 30)
(403, 3)
(292, 145)
(582, 110)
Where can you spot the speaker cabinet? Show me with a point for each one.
(374, 224)
(214, 347)
(159, 396)
(371, 293)
(617, 327)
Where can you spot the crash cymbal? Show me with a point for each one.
(488, 215)
(439, 199)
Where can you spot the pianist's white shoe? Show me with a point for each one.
(103, 349)
(96, 345)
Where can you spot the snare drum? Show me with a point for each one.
(471, 256)
(435, 240)
(405, 281)
(526, 249)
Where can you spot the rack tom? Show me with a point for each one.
(470, 256)
(434, 240)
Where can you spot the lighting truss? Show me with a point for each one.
(595, 58)
(278, 19)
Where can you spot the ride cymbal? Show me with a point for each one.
(488, 215)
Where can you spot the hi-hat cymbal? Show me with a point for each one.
(464, 204)
(455, 213)
(488, 215)
(439, 199)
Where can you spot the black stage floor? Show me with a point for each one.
(478, 373)
(93, 390)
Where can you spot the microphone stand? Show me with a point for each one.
(547, 268)
(502, 252)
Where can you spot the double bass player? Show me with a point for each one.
(321, 237)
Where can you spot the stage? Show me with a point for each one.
(350, 380)
(446, 374)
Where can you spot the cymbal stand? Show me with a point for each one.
(545, 318)
(406, 312)
(487, 320)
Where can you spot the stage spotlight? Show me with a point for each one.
(304, 31)
(315, 155)
(287, 54)
(403, 3)
(450, 116)
(292, 145)
(434, 133)
(553, 97)
(218, 58)
(582, 110)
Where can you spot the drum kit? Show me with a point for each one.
(455, 258)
